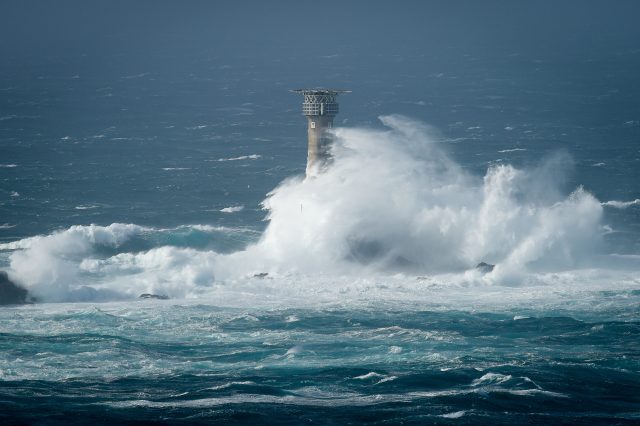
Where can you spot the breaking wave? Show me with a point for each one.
(622, 204)
(392, 203)
(242, 157)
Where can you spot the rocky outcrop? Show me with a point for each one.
(10, 292)
(154, 296)
(485, 268)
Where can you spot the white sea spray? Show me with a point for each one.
(393, 202)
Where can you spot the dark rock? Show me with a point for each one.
(485, 268)
(261, 275)
(10, 292)
(154, 296)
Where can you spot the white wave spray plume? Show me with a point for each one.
(394, 201)
(391, 202)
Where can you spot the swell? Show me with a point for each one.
(179, 362)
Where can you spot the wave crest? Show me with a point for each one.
(392, 201)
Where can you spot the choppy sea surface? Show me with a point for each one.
(348, 298)
(196, 362)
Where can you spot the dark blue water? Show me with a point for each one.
(137, 159)
(198, 363)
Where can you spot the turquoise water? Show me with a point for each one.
(349, 298)
(198, 362)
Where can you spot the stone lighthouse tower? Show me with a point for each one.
(320, 107)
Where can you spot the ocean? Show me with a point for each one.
(348, 298)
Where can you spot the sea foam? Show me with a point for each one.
(392, 202)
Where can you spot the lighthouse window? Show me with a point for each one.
(313, 124)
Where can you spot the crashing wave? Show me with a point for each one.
(392, 202)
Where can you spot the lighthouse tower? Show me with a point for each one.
(320, 107)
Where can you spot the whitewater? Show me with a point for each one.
(470, 256)
(359, 300)
(393, 206)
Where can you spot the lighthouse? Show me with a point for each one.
(320, 107)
